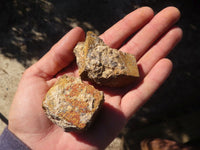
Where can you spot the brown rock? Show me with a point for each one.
(163, 144)
(72, 104)
(103, 65)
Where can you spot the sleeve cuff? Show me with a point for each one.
(8, 141)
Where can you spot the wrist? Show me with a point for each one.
(8, 140)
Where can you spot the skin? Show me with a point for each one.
(155, 37)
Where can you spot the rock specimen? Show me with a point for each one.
(103, 65)
(72, 104)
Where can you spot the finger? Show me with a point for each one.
(151, 32)
(119, 32)
(134, 99)
(59, 56)
(159, 50)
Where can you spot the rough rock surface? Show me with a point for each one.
(103, 65)
(72, 104)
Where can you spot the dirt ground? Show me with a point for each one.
(29, 28)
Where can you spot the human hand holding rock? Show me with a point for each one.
(156, 36)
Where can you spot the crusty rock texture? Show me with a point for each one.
(72, 104)
(103, 65)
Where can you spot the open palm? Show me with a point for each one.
(154, 39)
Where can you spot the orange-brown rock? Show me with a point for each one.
(72, 104)
(103, 65)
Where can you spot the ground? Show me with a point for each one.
(29, 28)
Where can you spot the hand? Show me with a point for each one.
(155, 38)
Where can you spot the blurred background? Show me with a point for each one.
(28, 28)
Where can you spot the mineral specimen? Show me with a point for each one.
(72, 104)
(103, 65)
